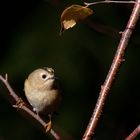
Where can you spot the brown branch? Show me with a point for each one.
(20, 105)
(134, 134)
(118, 58)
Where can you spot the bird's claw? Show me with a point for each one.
(19, 103)
(48, 126)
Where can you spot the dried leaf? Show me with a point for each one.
(71, 15)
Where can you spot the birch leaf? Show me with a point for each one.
(73, 14)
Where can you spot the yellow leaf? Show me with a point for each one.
(71, 15)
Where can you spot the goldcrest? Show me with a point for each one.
(42, 91)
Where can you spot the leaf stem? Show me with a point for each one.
(109, 2)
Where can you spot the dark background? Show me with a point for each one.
(30, 39)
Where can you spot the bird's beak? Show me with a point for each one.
(55, 78)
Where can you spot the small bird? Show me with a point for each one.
(42, 91)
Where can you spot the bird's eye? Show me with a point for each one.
(44, 76)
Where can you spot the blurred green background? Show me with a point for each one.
(81, 58)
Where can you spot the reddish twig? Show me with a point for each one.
(134, 134)
(20, 105)
(118, 58)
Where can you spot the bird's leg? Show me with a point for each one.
(49, 124)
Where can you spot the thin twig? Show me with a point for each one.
(118, 58)
(134, 134)
(20, 105)
(109, 2)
